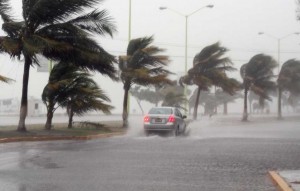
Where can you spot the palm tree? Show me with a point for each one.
(142, 66)
(73, 89)
(288, 80)
(208, 69)
(54, 29)
(257, 76)
(175, 100)
(224, 98)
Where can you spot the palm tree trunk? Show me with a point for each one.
(279, 113)
(125, 105)
(245, 114)
(196, 104)
(24, 99)
(225, 111)
(48, 124)
(71, 114)
(139, 103)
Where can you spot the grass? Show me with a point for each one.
(61, 130)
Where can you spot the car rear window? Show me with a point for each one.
(160, 111)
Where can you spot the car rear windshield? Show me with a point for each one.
(160, 111)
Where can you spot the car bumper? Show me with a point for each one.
(159, 127)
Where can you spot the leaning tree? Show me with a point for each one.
(143, 65)
(258, 77)
(73, 88)
(209, 69)
(288, 80)
(55, 30)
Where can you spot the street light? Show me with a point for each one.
(129, 38)
(186, 16)
(278, 43)
(278, 60)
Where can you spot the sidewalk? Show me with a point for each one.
(287, 180)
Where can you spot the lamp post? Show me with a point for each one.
(186, 16)
(279, 116)
(129, 38)
(129, 22)
(278, 43)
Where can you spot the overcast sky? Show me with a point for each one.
(234, 23)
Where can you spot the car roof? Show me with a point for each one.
(163, 107)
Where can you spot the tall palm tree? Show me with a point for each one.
(208, 69)
(55, 30)
(257, 76)
(142, 66)
(288, 80)
(72, 88)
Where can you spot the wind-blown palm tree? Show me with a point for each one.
(288, 80)
(257, 76)
(55, 30)
(208, 69)
(72, 88)
(142, 66)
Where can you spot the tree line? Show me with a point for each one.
(65, 35)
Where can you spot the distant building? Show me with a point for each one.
(11, 106)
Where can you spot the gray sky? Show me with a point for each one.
(234, 23)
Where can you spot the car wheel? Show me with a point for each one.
(175, 132)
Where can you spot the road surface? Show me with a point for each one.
(219, 154)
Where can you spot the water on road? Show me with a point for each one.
(219, 153)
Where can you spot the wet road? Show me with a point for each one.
(218, 154)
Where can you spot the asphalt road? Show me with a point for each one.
(219, 154)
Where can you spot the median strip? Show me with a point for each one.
(57, 138)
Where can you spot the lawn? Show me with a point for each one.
(82, 130)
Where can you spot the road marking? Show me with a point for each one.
(282, 184)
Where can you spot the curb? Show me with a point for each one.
(280, 182)
(57, 138)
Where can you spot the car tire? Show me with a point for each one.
(175, 132)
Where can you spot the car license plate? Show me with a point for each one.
(158, 120)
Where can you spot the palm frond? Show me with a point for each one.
(138, 44)
(97, 22)
(5, 79)
(11, 46)
(13, 29)
(43, 11)
(5, 10)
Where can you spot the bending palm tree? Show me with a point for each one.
(209, 68)
(142, 66)
(73, 89)
(257, 76)
(288, 80)
(53, 29)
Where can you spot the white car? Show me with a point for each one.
(164, 119)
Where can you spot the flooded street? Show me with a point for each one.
(218, 153)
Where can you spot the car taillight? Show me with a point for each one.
(171, 119)
(146, 119)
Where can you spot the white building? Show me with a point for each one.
(11, 106)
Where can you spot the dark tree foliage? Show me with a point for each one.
(209, 69)
(142, 66)
(56, 30)
(258, 77)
